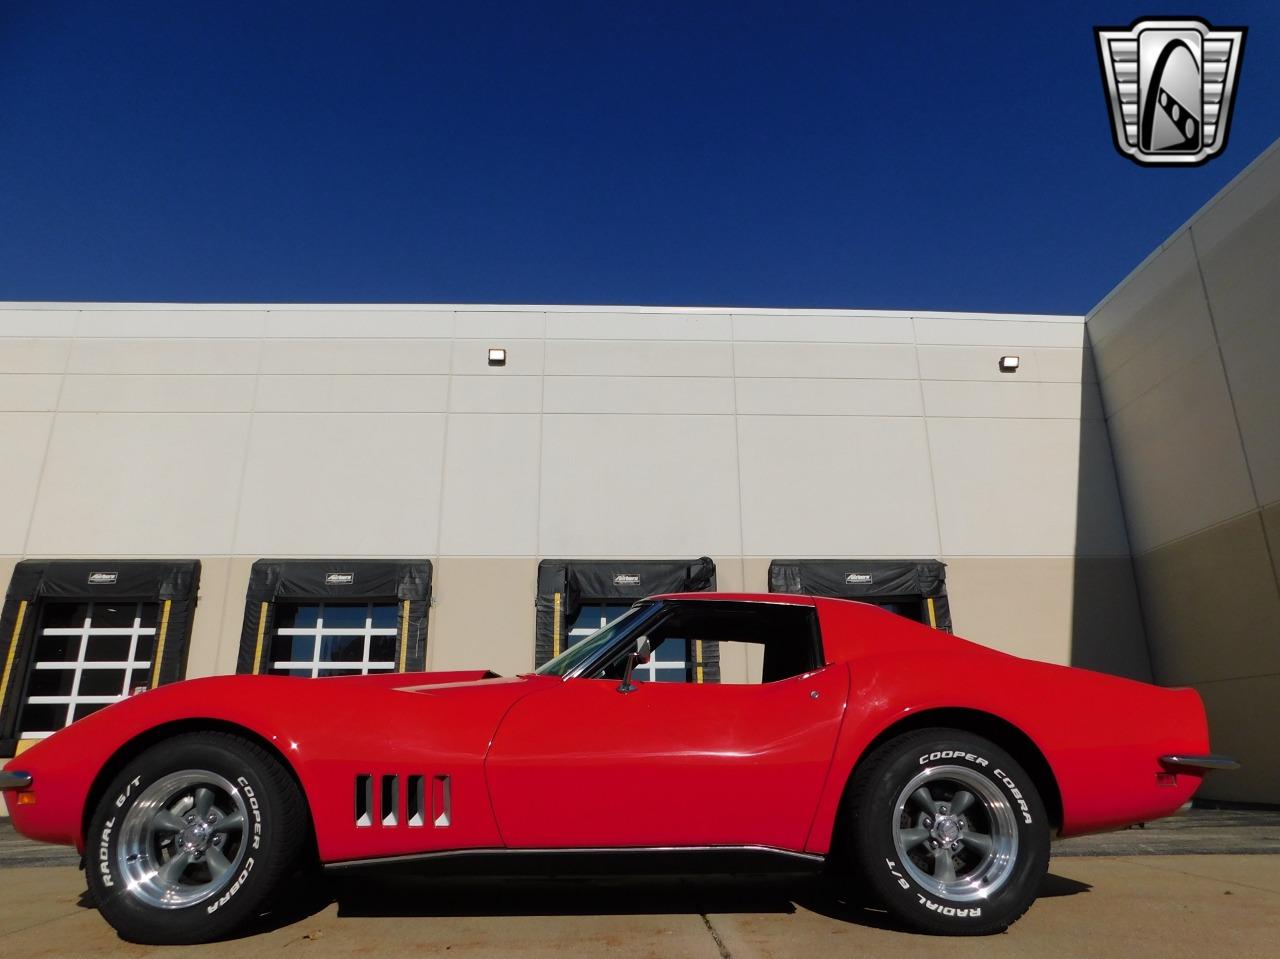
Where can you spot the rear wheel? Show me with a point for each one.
(193, 838)
(948, 831)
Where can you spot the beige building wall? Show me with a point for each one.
(232, 433)
(1187, 349)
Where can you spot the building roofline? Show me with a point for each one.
(106, 306)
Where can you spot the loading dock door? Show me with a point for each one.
(914, 588)
(80, 635)
(335, 617)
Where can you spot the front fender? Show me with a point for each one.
(328, 731)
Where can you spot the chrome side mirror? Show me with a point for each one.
(642, 655)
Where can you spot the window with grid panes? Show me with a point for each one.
(88, 655)
(334, 639)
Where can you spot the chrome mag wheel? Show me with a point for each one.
(183, 839)
(955, 832)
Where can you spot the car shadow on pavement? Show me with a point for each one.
(849, 904)
(595, 896)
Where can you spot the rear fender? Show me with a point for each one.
(1100, 736)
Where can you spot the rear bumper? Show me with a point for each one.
(1205, 763)
(15, 780)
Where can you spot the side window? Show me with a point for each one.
(670, 660)
(783, 641)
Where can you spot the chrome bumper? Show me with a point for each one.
(1199, 762)
(14, 780)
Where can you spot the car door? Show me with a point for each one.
(582, 764)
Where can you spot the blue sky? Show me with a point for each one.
(899, 156)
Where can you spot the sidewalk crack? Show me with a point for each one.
(724, 950)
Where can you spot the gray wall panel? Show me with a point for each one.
(822, 329)
(378, 357)
(637, 394)
(33, 355)
(29, 392)
(818, 486)
(168, 357)
(343, 484)
(660, 325)
(645, 358)
(26, 435)
(490, 504)
(18, 322)
(1251, 357)
(826, 360)
(157, 393)
(1179, 457)
(1187, 349)
(656, 486)
(139, 484)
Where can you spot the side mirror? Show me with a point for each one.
(642, 655)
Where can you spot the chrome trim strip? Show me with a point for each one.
(445, 854)
(1199, 762)
(15, 780)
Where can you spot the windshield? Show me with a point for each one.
(587, 649)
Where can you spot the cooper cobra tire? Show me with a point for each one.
(192, 838)
(948, 831)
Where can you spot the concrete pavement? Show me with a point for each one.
(1095, 907)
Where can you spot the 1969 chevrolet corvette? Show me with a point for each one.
(936, 768)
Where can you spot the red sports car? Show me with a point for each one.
(937, 768)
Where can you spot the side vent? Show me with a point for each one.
(407, 809)
(441, 801)
(415, 801)
(390, 800)
(364, 800)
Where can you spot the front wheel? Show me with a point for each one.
(949, 831)
(192, 839)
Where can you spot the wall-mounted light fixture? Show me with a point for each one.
(497, 356)
(1008, 364)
